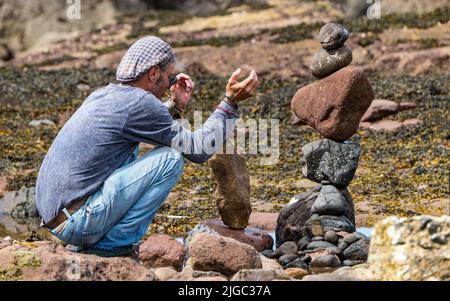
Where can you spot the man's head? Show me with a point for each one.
(148, 64)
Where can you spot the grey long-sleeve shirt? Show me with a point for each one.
(103, 133)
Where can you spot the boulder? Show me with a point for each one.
(358, 250)
(414, 248)
(233, 189)
(293, 217)
(329, 162)
(335, 104)
(161, 251)
(325, 62)
(222, 254)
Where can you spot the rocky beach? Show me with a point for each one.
(363, 107)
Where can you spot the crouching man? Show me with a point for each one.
(92, 191)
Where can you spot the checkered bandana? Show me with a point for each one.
(142, 55)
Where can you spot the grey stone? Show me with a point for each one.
(331, 236)
(267, 253)
(326, 261)
(302, 243)
(330, 202)
(331, 162)
(358, 250)
(326, 62)
(335, 223)
(287, 259)
(351, 238)
(298, 263)
(317, 238)
(332, 36)
(342, 245)
(289, 247)
(320, 244)
(19, 204)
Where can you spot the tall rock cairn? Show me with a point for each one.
(323, 219)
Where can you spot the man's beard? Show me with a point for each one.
(161, 90)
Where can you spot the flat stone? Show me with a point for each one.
(288, 258)
(335, 104)
(332, 162)
(317, 238)
(380, 108)
(329, 202)
(351, 238)
(319, 244)
(333, 35)
(325, 62)
(263, 220)
(233, 189)
(267, 253)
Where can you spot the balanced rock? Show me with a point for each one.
(358, 250)
(222, 254)
(330, 202)
(325, 62)
(327, 161)
(414, 249)
(233, 191)
(334, 105)
(332, 36)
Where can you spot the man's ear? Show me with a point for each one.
(153, 74)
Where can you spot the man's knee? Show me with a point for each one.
(174, 155)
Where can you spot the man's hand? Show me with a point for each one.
(238, 91)
(181, 92)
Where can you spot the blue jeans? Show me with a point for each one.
(121, 211)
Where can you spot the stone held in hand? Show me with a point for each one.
(325, 62)
(335, 104)
(329, 161)
(332, 36)
(233, 189)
